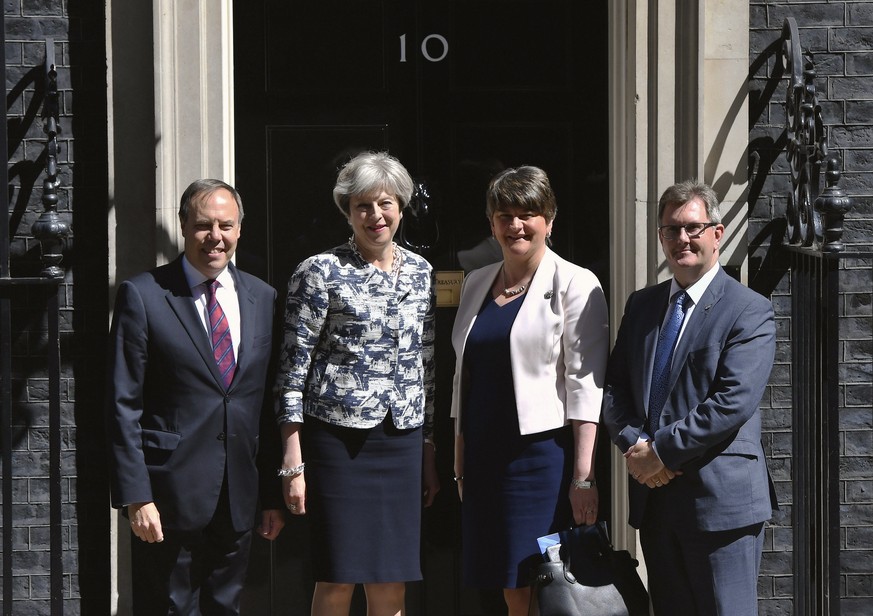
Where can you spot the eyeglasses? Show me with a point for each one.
(692, 229)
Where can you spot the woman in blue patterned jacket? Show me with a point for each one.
(357, 381)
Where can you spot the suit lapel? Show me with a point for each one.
(697, 324)
(538, 300)
(651, 323)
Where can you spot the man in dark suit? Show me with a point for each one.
(684, 381)
(190, 353)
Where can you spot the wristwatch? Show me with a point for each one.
(581, 484)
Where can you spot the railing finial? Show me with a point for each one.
(49, 228)
(832, 205)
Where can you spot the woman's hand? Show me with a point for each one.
(294, 493)
(585, 502)
(430, 479)
(293, 485)
(459, 464)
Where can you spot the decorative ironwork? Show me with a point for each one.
(807, 144)
(833, 204)
(49, 228)
(419, 231)
(817, 256)
(807, 152)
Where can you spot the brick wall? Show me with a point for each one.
(840, 34)
(79, 45)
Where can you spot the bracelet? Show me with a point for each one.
(291, 472)
(580, 484)
(429, 441)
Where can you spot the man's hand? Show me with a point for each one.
(646, 467)
(145, 521)
(271, 523)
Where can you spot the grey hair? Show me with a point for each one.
(369, 172)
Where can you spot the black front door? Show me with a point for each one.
(457, 90)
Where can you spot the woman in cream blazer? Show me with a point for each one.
(531, 358)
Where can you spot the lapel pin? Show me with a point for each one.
(548, 295)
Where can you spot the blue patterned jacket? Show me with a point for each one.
(356, 347)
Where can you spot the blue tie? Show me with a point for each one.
(663, 360)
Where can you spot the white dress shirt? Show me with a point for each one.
(225, 294)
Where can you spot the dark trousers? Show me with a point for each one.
(701, 573)
(192, 573)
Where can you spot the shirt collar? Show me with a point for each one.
(194, 277)
(696, 291)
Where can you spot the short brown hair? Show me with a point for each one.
(683, 192)
(202, 189)
(526, 188)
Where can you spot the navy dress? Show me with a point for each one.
(515, 487)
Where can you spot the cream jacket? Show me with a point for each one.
(558, 344)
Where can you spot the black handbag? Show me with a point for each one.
(590, 579)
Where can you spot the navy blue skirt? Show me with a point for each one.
(363, 500)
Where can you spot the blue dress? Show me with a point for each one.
(515, 487)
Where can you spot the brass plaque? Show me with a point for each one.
(448, 288)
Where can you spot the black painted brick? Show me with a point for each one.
(845, 55)
(851, 39)
(815, 14)
(859, 63)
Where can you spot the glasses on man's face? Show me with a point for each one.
(693, 230)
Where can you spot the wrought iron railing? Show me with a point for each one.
(817, 258)
(50, 230)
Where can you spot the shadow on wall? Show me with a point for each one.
(768, 264)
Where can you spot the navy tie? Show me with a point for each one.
(663, 360)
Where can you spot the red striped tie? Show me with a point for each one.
(222, 345)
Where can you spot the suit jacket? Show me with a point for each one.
(558, 344)
(710, 426)
(174, 430)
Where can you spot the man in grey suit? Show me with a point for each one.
(684, 382)
(189, 361)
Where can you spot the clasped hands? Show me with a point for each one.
(646, 467)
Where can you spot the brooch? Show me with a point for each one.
(548, 295)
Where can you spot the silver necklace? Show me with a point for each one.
(396, 257)
(508, 292)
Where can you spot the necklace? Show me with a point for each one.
(508, 292)
(396, 257)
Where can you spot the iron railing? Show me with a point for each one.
(817, 259)
(18, 291)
